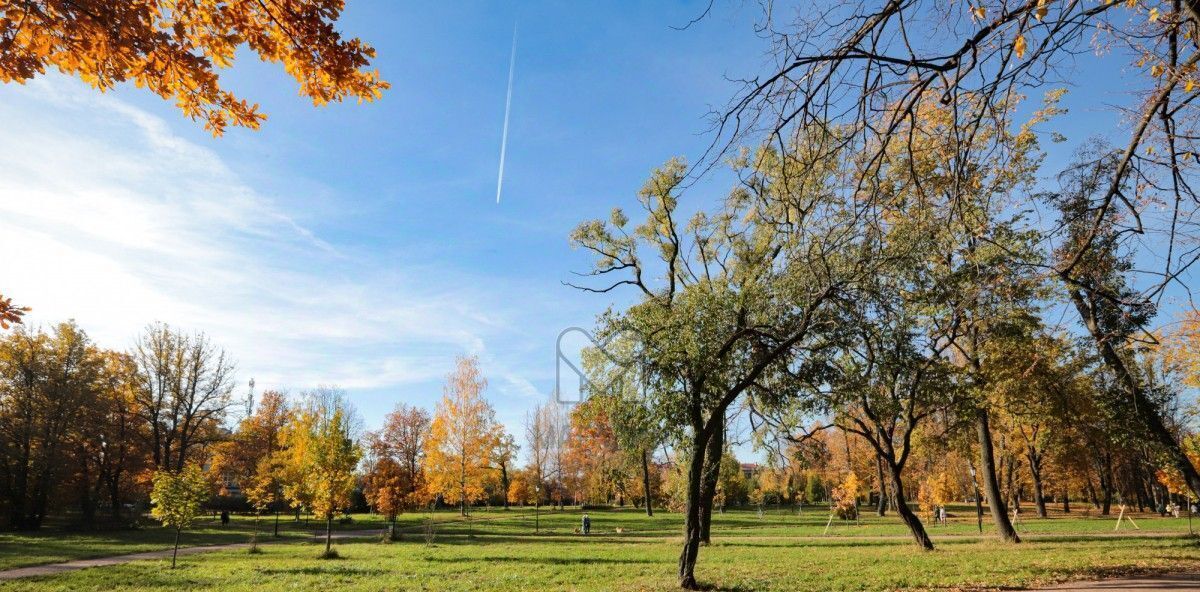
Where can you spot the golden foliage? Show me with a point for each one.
(462, 437)
(175, 48)
(319, 456)
(845, 497)
(933, 493)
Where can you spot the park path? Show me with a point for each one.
(50, 569)
(1152, 583)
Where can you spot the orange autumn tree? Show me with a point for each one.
(247, 458)
(593, 459)
(395, 478)
(845, 497)
(462, 437)
(175, 49)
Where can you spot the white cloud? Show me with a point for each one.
(108, 217)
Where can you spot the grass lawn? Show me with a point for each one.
(497, 550)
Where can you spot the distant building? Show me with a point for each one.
(749, 469)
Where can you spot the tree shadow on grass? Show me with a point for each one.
(485, 540)
(550, 560)
(321, 570)
(824, 543)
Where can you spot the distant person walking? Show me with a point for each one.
(587, 524)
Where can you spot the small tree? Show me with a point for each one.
(264, 489)
(177, 497)
(320, 457)
(386, 489)
(845, 497)
(334, 456)
(933, 494)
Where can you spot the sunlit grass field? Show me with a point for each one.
(498, 550)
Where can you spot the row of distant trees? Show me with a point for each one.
(81, 423)
(86, 432)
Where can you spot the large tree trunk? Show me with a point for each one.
(708, 486)
(881, 507)
(114, 495)
(987, 465)
(504, 484)
(920, 537)
(1145, 409)
(691, 528)
(1035, 471)
(646, 481)
(1091, 492)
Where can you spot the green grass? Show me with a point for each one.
(497, 550)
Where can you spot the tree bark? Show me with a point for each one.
(646, 481)
(114, 494)
(1035, 471)
(328, 532)
(504, 484)
(987, 465)
(175, 553)
(881, 507)
(711, 475)
(920, 537)
(691, 529)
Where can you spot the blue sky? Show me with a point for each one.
(361, 245)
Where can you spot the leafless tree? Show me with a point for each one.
(186, 389)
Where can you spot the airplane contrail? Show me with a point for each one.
(512, 62)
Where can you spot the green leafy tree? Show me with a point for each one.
(176, 499)
(727, 301)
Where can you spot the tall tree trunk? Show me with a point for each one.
(987, 465)
(1066, 500)
(1035, 471)
(646, 481)
(1145, 409)
(328, 532)
(691, 528)
(881, 507)
(504, 484)
(175, 553)
(1104, 470)
(711, 476)
(114, 495)
(920, 537)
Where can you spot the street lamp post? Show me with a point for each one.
(978, 502)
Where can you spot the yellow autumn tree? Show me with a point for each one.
(845, 497)
(933, 493)
(176, 49)
(320, 457)
(462, 437)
